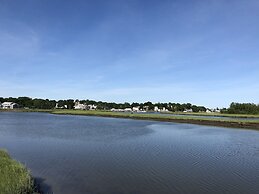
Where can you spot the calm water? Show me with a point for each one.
(79, 154)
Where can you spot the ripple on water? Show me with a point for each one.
(79, 154)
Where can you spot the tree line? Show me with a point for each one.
(242, 108)
(36, 103)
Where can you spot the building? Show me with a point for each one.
(127, 109)
(79, 106)
(60, 107)
(208, 111)
(117, 110)
(9, 105)
(156, 109)
(164, 109)
(136, 109)
(188, 110)
(91, 107)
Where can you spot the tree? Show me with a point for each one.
(243, 108)
(70, 103)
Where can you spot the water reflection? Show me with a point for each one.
(79, 154)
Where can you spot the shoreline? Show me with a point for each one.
(15, 178)
(151, 112)
(188, 120)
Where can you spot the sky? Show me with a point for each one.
(205, 52)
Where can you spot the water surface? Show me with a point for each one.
(95, 155)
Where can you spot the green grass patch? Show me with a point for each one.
(215, 114)
(14, 177)
(229, 120)
(27, 110)
(151, 116)
(221, 122)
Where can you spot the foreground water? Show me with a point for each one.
(95, 155)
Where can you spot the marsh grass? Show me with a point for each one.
(232, 123)
(215, 114)
(213, 119)
(152, 116)
(14, 177)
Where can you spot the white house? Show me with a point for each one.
(79, 106)
(188, 110)
(117, 110)
(91, 107)
(208, 111)
(9, 105)
(145, 108)
(127, 109)
(156, 109)
(136, 109)
(61, 107)
(164, 109)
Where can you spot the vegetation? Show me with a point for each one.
(253, 124)
(145, 115)
(214, 114)
(14, 177)
(45, 104)
(69, 104)
(242, 108)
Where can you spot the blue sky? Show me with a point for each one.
(205, 52)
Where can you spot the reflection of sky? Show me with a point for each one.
(77, 154)
(80, 128)
(203, 52)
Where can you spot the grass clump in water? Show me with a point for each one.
(14, 177)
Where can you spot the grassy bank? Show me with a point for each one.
(27, 110)
(215, 114)
(14, 177)
(115, 113)
(234, 122)
(238, 123)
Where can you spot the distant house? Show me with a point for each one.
(164, 109)
(145, 108)
(188, 110)
(91, 107)
(9, 105)
(79, 106)
(208, 111)
(127, 109)
(156, 109)
(117, 110)
(136, 109)
(60, 107)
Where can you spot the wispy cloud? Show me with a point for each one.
(18, 41)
